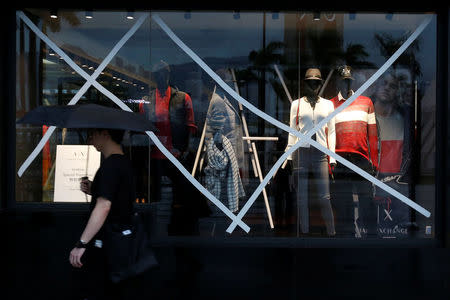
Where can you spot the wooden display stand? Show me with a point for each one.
(251, 146)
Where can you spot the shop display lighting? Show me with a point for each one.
(53, 14)
(316, 16)
(130, 15)
(89, 14)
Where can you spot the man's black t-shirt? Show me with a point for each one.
(114, 181)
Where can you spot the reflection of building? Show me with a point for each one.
(120, 78)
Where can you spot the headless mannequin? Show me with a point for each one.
(162, 80)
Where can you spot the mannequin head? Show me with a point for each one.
(313, 83)
(345, 81)
(161, 75)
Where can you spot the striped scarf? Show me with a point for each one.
(223, 166)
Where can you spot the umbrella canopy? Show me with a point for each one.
(87, 116)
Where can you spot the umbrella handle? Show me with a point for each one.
(87, 165)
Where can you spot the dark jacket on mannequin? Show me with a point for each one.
(177, 114)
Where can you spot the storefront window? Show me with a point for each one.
(231, 93)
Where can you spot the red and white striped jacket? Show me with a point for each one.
(356, 128)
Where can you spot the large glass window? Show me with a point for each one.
(231, 94)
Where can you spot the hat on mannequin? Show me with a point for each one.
(345, 72)
(313, 74)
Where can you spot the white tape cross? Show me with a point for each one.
(91, 81)
(303, 139)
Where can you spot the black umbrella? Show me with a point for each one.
(87, 116)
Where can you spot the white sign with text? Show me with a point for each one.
(72, 163)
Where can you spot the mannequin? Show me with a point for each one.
(356, 141)
(223, 138)
(305, 113)
(172, 112)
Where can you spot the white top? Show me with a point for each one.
(309, 118)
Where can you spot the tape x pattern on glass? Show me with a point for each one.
(303, 138)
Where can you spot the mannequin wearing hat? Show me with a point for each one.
(305, 113)
(357, 142)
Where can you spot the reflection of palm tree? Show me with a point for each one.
(322, 49)
(388, 45)
(263, 61)
(354, 56)
(268, 55)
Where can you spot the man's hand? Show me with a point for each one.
(85, 185)
(75, 257)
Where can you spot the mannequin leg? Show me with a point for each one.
(301, 168)
(366, 206)
(342, 197)
(301, 189)
(321, 178)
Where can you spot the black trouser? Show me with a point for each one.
(284, 200)
(92, 281)
(185, 205)
(346, 183)
(185, 211)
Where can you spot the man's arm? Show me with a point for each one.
(95, 222)
(97, 219)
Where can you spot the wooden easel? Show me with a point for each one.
(251, 146)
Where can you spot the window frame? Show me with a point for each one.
(442, 210)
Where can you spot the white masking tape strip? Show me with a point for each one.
(200, 187)
(180, 167)
(79, 70)
(107, 93)
(307, 138)
(361, 172)
(157, 19)
(377, 74)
